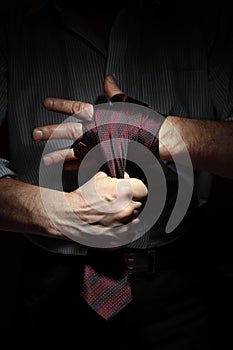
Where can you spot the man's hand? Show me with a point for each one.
(101, 213)
(101, 204)
(108, 202)
(70, 131)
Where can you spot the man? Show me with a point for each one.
(55, 52)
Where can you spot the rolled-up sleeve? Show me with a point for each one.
(5, 169)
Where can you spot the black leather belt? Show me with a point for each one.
(143, 261)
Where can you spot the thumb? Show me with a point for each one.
(112, 89)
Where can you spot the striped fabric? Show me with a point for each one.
(106, 295)
(159, 56)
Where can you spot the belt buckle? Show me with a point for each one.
(141, 262)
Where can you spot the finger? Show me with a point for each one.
(136, 205)
(111, 88)
(68, 131)
(126, 175)
(70, 161)
(81, 109)
(140, 191)
(68, 158)
(129, 213)
(101, 175)
(59, 156)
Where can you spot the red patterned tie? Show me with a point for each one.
(107, 294)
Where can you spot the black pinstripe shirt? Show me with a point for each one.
(158, 56)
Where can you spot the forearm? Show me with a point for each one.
(22, 210)
(209, 143)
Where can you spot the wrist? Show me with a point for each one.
(167, 139)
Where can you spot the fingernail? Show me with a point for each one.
(47, 160)
(37, 134)
(111, 79)
(48, 103)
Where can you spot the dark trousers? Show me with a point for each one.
(168, 312)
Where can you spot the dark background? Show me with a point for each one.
(217, 238)
(11, 243)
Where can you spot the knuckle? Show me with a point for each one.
(56, 157)
(128, 193)
(75, 131)
(101, 175)
(76, 107)
(47, 132)
(61, 156)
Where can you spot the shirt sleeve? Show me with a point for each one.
(5, 166)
